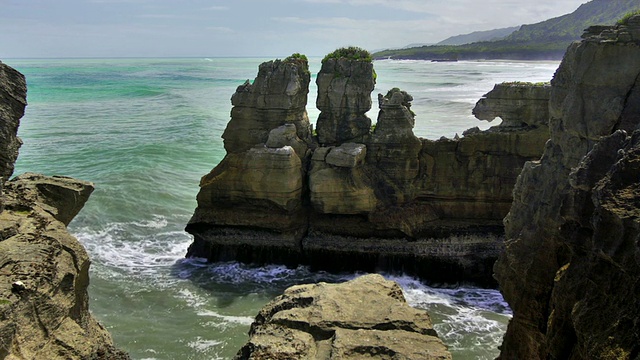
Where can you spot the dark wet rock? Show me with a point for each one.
(13, 99)
(572, 260)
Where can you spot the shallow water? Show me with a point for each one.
(145, 131)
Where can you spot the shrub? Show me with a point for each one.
(627, 16)
(351, 53)
(296, 56)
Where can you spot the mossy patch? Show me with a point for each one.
(351, 53)
(625, 19)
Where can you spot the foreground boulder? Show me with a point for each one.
(43, 289)
(44, 304)
(572, 261)
(361, 198)
(364, 318)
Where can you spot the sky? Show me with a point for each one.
(215, 28)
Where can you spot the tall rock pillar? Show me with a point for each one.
(250, 206)
(345, 83)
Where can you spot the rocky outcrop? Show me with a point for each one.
(364, 318)
(254, 199)
(518, 104)
(13, 99)
(44, 271)
(45, 274)
(366, 200)
(572, 262)
(344, 96)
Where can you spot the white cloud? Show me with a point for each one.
(216, 8)
(220, 29)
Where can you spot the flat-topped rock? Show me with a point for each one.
(347, 155)
(364, 318)
(517, 104)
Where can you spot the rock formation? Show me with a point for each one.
(254, 197)
(517, 104)
(572, 262)
(351, 199)
(13, 99)
(44, 271)
(344, 84)
(364, 318)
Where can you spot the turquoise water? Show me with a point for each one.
(145, 131)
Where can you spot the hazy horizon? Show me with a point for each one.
(247, 28)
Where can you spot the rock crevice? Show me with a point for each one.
(572, 259)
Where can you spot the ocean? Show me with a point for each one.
(145, 131)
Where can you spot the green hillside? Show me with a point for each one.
(489, 35)
(545, 40)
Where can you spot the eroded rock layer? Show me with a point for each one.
(252, 205)
(344, 96)
(365, 200)
(572, 262)
(364, 318)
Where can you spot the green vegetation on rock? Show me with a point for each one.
(627, 16)
(351, 53)
(295, 57)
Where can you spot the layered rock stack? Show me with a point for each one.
(251, 204)
(473, 177)
(345, 83)
(44, 272)
(361, 198)
(572, 262)
(364, 318)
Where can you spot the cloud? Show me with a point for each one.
(220, 29)
(216, 8)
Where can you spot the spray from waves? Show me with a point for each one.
(137, 248)
(471, 321)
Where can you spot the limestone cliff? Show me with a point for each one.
(364, 318)
(350, 199)
(572, 262)
(44, 271)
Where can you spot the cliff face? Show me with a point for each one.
(572, 262)
(364, 318)
(45, 271)
(13, 99)
(351, 199)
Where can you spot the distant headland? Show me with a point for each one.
(546, 40)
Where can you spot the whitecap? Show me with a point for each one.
(242, 320)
